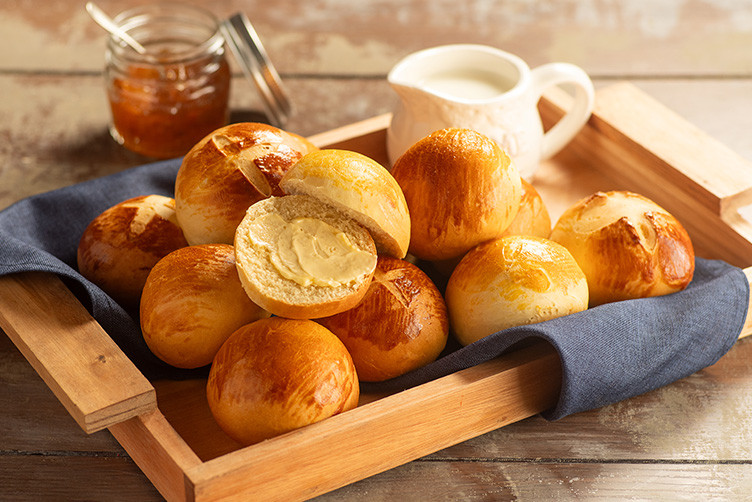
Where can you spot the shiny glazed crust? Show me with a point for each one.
(359, 186)
(120, 246)
(284, 297)
(400, 324)
(276, 375)
(533, 217)
(513, 281)
(192, 302)
(226, 172)
(628, 246)
(461, 190)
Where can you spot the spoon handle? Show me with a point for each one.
(103, 20)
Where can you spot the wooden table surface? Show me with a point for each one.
(691, 440)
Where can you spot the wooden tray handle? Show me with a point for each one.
(654, 145)
(77, 359)
(642, 146)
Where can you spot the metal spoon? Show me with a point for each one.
(103, 20)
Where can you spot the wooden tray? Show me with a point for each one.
(631, 142)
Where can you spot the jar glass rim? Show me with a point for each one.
(143, 15)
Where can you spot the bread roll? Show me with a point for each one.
(359, 186)
(533, 217)
(276, 375)
(627, 245)
(461, 190)
(513, 281)
(120, 246)
(301, 258)
(400, 324)
(226, 172)
(192, 302)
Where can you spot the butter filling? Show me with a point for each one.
(310, 251)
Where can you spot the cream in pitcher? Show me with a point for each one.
(488, 90)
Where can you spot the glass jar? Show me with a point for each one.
(165, 100)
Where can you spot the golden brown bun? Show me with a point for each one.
(120, 246)
(192, 302)
(513, 281)
(280, 295)
(401, 324)
(358, 186)
(276, 375)
(533, 217)
(627, 245)
(461, 189)
(229, 170)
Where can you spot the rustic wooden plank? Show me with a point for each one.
(542, 479)
(31, 478)
(704, 417)
(662, 37)
(78, 361)
(33, 420)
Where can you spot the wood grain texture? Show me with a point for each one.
(664, 38)
(33, 420)
(687, 441)
(38, 477)
(159, 451)
(543, 479)
(80, 363)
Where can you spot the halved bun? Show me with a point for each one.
(300, 258)
(359, 186)
(461, 189)
(627, 245)
(226, 172)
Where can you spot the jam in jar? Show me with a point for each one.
(165, 100)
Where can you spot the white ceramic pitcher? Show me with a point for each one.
(488, 90)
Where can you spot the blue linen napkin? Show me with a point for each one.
(608, 353)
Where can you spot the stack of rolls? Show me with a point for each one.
(283, 266)
(481, 223)
(490, 232)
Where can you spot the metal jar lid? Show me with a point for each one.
(250, 54)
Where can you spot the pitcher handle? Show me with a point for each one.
(569, 125)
